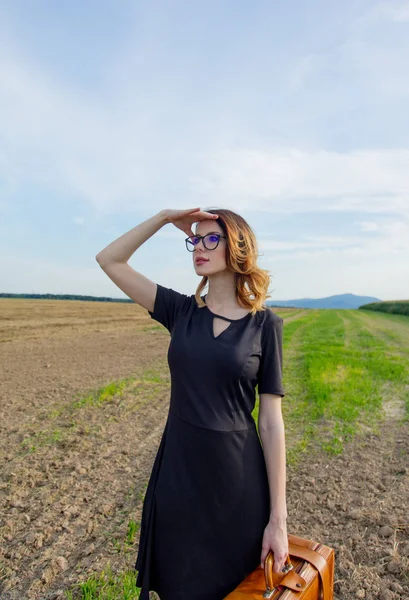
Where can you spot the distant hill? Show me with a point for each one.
(347, 301)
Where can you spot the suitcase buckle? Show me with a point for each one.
(269, 593)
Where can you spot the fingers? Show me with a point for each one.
(277, 567)
(206, 215)
(202, 214)
(279, 562)
(280, 565)
(264, 553)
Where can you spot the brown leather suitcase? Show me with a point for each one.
(310, 575)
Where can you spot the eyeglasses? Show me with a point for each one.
(210, 241)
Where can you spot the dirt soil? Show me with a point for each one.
(357, 503)
(73, 476)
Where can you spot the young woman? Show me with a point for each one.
(216, 499)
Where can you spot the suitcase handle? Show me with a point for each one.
(290, 578)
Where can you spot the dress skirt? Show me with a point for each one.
(205, 511)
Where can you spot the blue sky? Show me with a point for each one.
(293, 114)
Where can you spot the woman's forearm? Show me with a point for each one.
(121, 249)
(273, 442)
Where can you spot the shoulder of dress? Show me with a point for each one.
(194, 301)
(269, 316)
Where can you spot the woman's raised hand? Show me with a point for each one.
(183, 219)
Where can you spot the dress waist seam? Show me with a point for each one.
(172, 412)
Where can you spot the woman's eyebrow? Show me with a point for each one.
(208, 233)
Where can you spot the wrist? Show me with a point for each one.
(163, 215)
(276, 519)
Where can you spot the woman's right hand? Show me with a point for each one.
(183, 219)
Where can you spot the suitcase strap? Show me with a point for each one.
(319, 563)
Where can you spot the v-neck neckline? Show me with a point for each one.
(212, 315)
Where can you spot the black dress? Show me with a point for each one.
(207, 502)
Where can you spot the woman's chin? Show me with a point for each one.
(201, 270)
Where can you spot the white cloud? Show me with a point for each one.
(367, 225)
(306, 67)
(395, 11)
(88, 145)
(283, 180)
(312, 242)
(115, 149)
(391, 242)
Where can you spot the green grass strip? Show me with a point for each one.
(336, 375)
(106, 585)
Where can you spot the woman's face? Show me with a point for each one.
(214, 261)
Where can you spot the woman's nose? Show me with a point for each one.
(200, 242)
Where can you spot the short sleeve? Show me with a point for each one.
(169, 306)
(271, 360)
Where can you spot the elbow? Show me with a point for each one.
(271, 426)
(100, 260)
